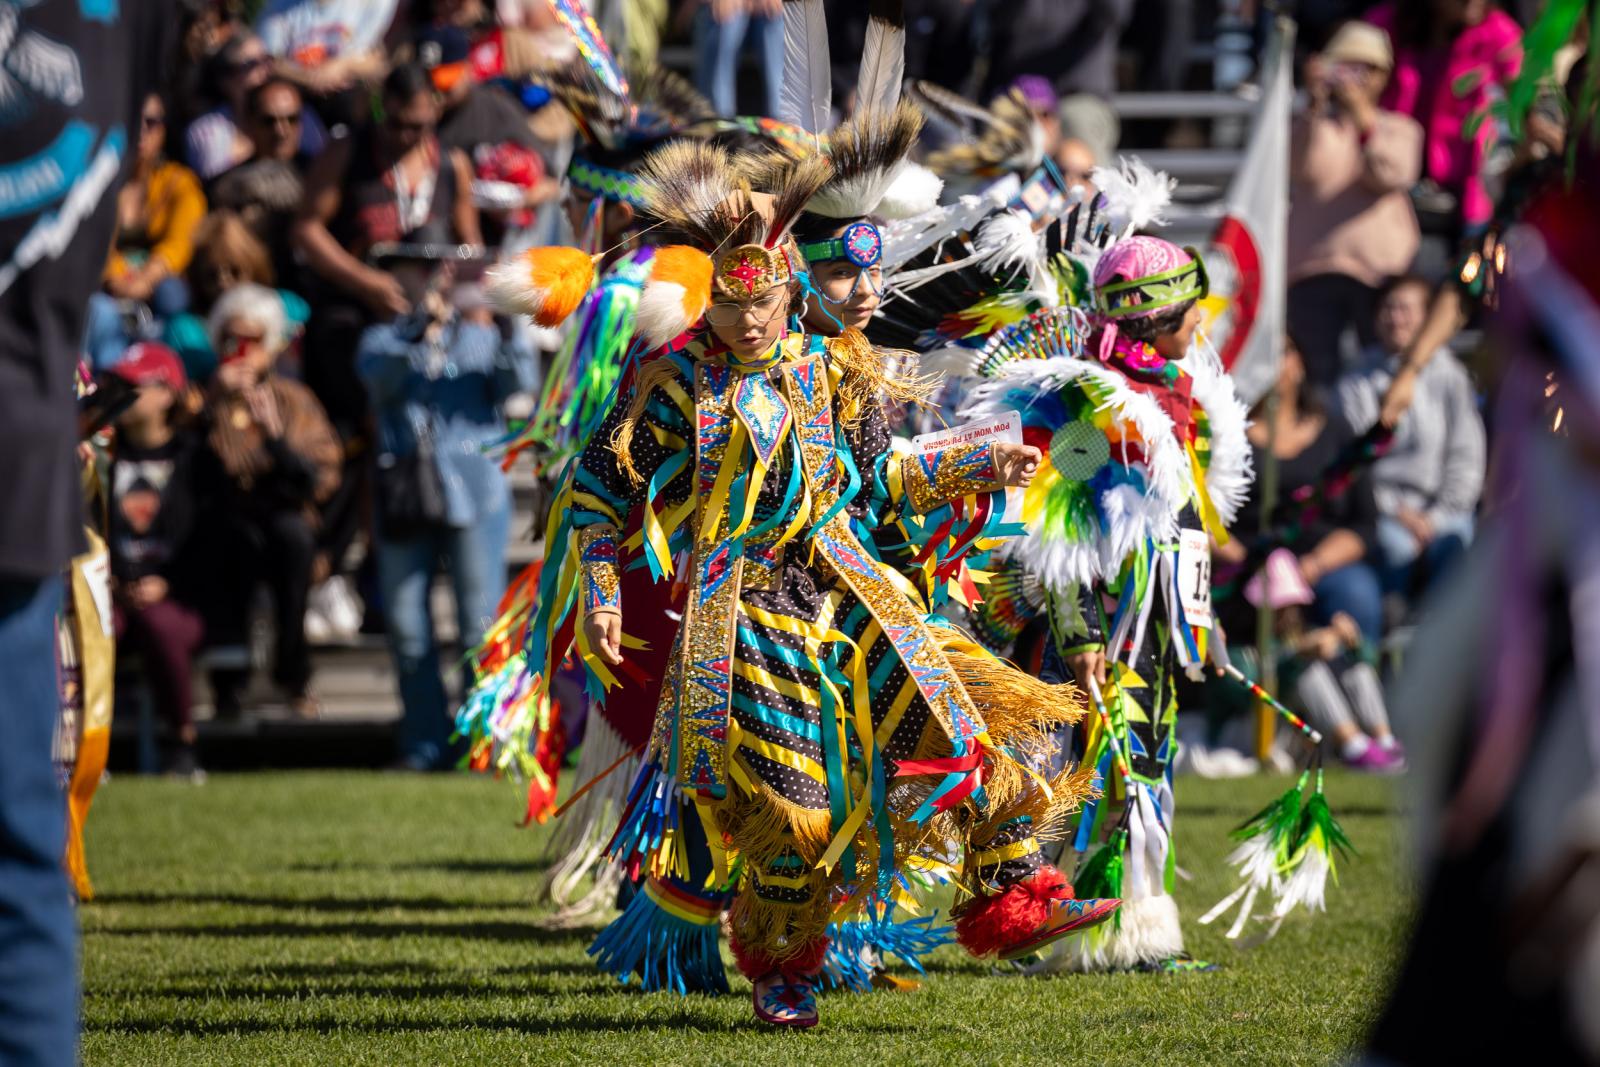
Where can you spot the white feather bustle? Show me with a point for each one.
(1232, 469)
(1129, 516)
(1136, 197)
(660, 316)
(913, 190)
(1007, 244)
(903, 239)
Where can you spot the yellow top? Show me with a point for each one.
(174, 205)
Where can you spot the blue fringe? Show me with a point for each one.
(844, 967)
(661, 950)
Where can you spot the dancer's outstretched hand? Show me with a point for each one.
(1015, 465)
(604, 631)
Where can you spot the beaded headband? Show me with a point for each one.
(860, 244)
(1150, 294)
(618, 186)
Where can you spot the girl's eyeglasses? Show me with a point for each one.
(726, 313)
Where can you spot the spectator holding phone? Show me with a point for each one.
(438, 380)
(390, 183)
(271, 458)
(227, 254)
(1351, 223)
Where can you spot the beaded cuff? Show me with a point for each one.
(602, 577)
(948, 474)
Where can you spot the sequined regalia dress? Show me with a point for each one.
(818, 727)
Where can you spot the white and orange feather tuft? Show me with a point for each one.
(676, 295)
(548, 283)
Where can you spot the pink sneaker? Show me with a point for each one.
(1376, 760)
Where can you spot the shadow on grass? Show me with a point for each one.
(413, 969)
(333, 904)
(676, 1020)
(337, 969)
(525, 932)
(534, 978)
(528, 866)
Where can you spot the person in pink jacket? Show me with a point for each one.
(1451, 58)
(1351, 223)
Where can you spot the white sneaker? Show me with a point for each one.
(337, 609)
(318, 632)
(348, 610)
(1235, 764)
(1215, 762)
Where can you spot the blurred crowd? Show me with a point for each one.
(294, 293)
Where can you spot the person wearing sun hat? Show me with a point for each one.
(1351, 224)
(760, 458)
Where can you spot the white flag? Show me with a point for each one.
(1247, 259)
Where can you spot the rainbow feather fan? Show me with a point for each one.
(1049, 333)
(1012, 600)
(1113, 473)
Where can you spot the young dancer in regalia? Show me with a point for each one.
(1147, 463)
(815, 726)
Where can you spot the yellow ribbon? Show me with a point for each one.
(862, 707)
(1208, 511)
(717, 502)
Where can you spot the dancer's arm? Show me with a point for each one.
(644, 441)
(1075, 629)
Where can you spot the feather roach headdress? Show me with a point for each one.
(1002, 139)
(658, 104)
(806, 100)
(869, 156)
(871, 172)
(883, 57)
(693, 188)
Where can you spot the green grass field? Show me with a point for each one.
(347, 918)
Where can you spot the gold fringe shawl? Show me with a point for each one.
(860, 380)
(1020, 712)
